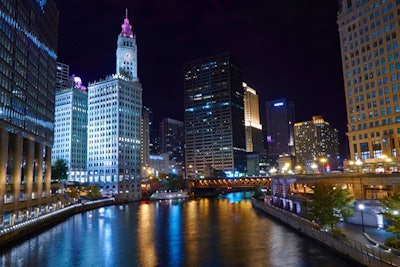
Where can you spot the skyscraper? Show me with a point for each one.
(114, 134)
(253, 127)
(146, 123)
(253, 132)
(370, 58)
(172, 139)
(316, 142)
(28, 45)
(70, 130)
(214, 116)
(279, 128)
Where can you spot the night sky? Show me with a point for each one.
(285, 48)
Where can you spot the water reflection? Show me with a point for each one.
(223, 231)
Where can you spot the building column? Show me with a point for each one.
(47, 173)
(29, 153)
(16, 171)
(3, 170)
(39, 173)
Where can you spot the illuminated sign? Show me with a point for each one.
(279, 104)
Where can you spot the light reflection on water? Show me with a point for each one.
(224, 231)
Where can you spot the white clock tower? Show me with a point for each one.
(127, 51)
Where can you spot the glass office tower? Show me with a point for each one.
(214, 117)
(28, 45)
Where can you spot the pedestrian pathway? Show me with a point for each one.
(369, 240)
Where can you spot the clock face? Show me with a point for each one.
(128, 55)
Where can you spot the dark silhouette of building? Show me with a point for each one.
(279, 121)
(214, 116)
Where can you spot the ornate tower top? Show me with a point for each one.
(126, 27)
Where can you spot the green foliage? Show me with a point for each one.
(73, 192)
(175, 182)
(93, 192)
(338, 234)
(59, 170)
(392, 242)
(328, 204)
(258, 193)
(392, 213)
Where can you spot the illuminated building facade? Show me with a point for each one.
(114, 122)
(279, 121)
(28, 45)
(369, 32)
(214, 116)
(70, 130)
(253, 131)
(172, 140)
(253, 127)
(316, 141)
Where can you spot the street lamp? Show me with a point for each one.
(358, 164)
(323, 161)
(314, 167)
(361, 207)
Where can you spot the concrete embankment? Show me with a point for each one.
(310, 230)
(22, 230)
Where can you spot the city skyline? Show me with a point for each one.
(287, 50)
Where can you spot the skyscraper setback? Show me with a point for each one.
(214, 116)
(369, 39)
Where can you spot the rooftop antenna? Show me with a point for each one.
(126, 13)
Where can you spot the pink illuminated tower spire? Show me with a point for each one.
(126, 27)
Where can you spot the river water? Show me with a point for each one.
(223, 231)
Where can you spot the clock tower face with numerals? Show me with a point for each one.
(127, 52)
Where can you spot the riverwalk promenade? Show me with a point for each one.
(20, 230)
(366, 249)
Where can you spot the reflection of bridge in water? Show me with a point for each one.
(242, 183)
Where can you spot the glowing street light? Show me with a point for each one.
(361, 207)
(272, 170)
(358, 164)
(323, 161)
(314, 167)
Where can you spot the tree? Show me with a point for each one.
(391, 213)
(93, 192)
(328, 204)
(258, 193)
(59, 170)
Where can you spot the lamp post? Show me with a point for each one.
(314, 167)
(358, 164)
(361, 207)
(323, 161)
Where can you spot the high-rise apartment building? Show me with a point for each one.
(70, 130)
(28, 45)
(214, 116)
(114, 114)
(316, 142)
(172, 140)
(279, 121)
(253, 127)
(369, 39)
